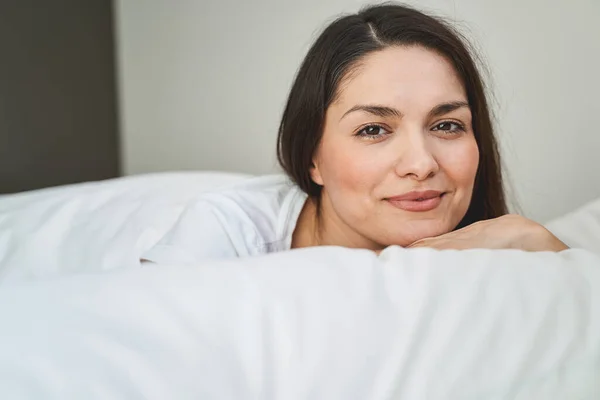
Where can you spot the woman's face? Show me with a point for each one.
(398, 158)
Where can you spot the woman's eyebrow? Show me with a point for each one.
(445, 108)
(378, 110)
(384, 111)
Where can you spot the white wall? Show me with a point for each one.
(203, 84)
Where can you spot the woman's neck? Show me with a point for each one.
(319, 225)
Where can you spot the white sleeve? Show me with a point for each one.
(198, 235)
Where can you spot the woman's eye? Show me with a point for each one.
(448, 126)
(372, 132)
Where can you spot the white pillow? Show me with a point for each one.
(94, 226)
(580, 228)
(319, 323)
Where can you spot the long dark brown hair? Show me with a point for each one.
(339, 48)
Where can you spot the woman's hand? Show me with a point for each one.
(506, 232)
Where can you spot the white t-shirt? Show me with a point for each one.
(253, 217)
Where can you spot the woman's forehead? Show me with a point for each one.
(399, 75)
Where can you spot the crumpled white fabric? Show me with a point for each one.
(579, 228)
(320, 323)
(94, 226)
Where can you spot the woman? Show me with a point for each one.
(386, 139)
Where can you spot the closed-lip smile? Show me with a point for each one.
(417, 201)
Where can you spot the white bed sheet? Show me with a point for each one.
(579, 228)
(326, 323)
(320, 323)
(94, 226)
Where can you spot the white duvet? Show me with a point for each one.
(81, 319)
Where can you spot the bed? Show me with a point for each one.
(82, 318)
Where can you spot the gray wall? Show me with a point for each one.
(58, 121)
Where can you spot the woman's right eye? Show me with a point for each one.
(373, 132)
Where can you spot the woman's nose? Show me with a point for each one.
(415, 158)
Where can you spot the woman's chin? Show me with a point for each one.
(419, 233)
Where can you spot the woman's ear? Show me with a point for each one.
(315, 173)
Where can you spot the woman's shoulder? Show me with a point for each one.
(266, 206)
(255, 184)
(251, 217)
(262, 191)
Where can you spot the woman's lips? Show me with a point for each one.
(417, 201)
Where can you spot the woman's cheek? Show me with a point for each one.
(351, 166)
(460, 159)
(370, 166)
